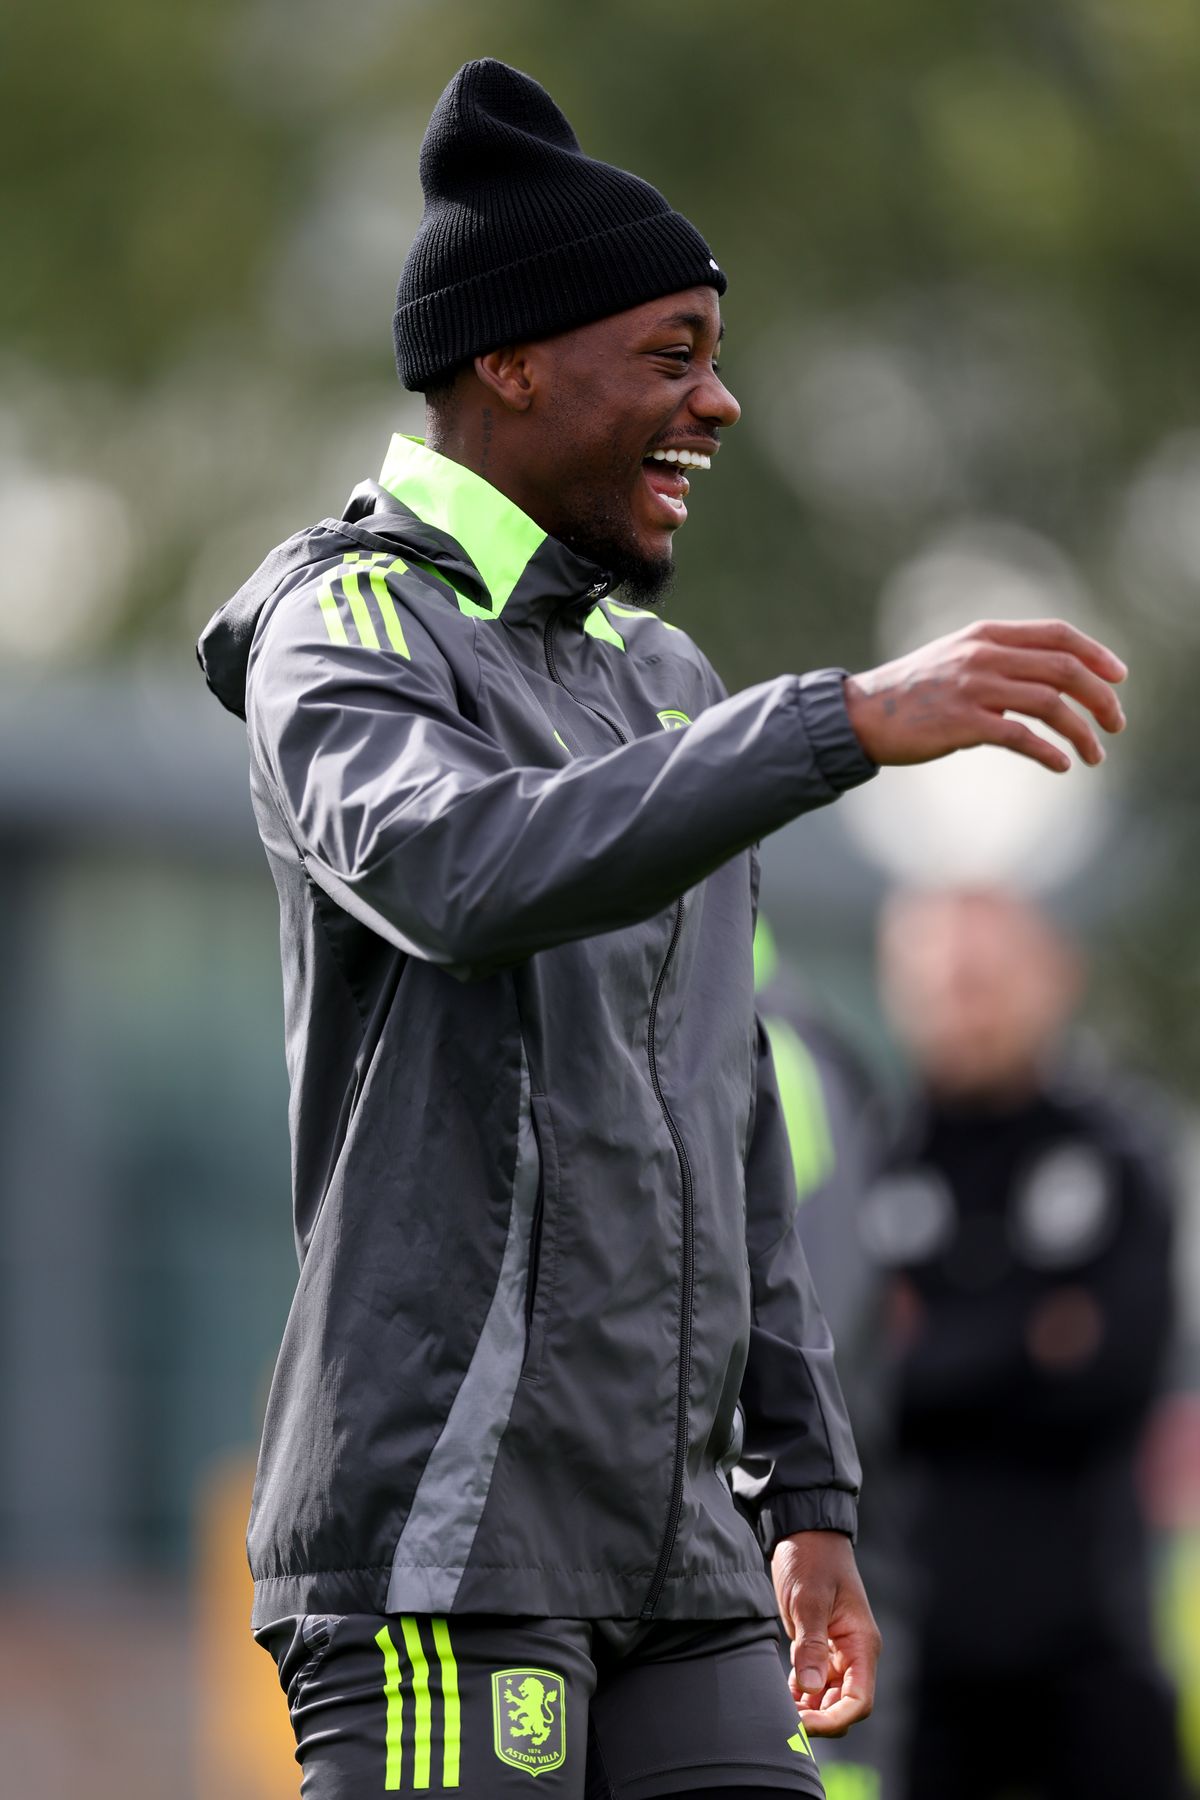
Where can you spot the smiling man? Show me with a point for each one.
(608, 469)
(551, 1291)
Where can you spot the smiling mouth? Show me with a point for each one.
(687, 459)
(664, 475)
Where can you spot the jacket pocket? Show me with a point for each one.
(543, 1241)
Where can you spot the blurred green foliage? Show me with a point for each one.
(965, 275)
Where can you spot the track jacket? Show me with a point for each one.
(544, 1203)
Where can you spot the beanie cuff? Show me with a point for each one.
(567, 285)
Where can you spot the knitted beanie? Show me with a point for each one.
(522, 234)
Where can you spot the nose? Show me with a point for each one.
(712, 402)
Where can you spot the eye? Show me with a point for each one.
(680, 353)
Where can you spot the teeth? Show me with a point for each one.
(690, 459)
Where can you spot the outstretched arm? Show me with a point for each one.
(417, 822)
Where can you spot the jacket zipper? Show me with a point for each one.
(552, 668)
(688, 1271)
(687, 1284)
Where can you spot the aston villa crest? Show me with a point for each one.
(529, 1709)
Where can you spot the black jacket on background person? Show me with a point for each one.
(1036, 1240)
(544, 1202)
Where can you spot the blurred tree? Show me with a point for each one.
(143, 190)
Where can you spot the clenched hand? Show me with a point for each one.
(835, 1640)
(961, 690)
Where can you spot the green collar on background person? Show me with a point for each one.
(497, 536)
(766, 956)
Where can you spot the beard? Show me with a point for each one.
(605, 538)
(642, 580)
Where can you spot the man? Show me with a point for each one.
(1027, 1222)
(543, 1201)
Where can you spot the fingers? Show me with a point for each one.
(1010, 734)
(810, 1656)
(1054, 634)
(848, 1698)
(1036, 701)
(836, 1718)
(1066, 674)
(949, 694)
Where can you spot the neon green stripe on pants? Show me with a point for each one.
(423, 1722)
(453, 1736)
(394, 1697)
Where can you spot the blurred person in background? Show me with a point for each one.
(1026, 1217)
(511, 821)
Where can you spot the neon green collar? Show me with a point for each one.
(497, 536)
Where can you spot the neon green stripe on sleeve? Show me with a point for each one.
(330, 613)
(453, 1737)
(368, 635)
(387, 609)
(422, 1720)
(471, 608)
(393, 1695)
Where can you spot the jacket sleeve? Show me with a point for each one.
(418, 823)
(800, 1470)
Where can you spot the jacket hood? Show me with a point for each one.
(445, 521)
(223, 651)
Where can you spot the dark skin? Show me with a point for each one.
(563, 426)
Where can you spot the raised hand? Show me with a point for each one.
(961, 690)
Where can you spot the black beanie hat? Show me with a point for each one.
(522, 234)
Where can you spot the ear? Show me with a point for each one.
(508, 374)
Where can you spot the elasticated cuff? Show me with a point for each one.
(841, 758)
(806, 1509)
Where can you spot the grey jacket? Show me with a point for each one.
(544, 1203)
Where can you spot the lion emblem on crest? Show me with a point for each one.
(531, 1710)
(528, 1707)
